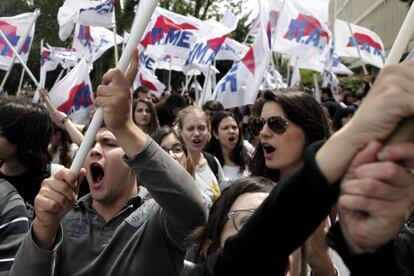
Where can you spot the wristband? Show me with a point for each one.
(64, 120)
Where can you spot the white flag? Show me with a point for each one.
(91, 42)
(148, 79)
(369, 43)
(73, 94)
(301, 34)
(211, 37)
(169, 34)
(66, 56)
(330, 80)
(93, 13)
(240, 85)
(14, 28)
(99, 15)
(231, 50)
(272, 80)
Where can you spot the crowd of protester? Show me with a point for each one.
(172, 189)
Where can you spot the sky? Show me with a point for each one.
(319, 7)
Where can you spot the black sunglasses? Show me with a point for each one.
(277, 124)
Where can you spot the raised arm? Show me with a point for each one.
(64, 122)
(168, 182)
(308, 194)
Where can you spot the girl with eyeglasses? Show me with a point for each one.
(228, 145)
(171, 142)
(228, 214)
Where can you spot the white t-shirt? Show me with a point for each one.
(233, 172)
(208, 183)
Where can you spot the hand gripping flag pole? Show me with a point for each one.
(405, 131)
(142, 17)
(47, 100)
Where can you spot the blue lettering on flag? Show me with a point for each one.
(102, 42)
(147, 61)
(13, 39)
(231, 79)
(102, 9)
(314, 37)
(172, 37)
(82, 99)
(184, 41)
(296, 30)
(198, 52)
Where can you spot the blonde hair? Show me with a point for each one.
(190, 110)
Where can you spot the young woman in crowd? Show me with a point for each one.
(194, 127)
(375, 191)
(145, 116)
(173, 144)
(211, 107)
(61, 147)
(228, 145)
(288, 123)
(228, 214)
(25, 133)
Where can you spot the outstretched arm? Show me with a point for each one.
(168, 183)
(308, 192)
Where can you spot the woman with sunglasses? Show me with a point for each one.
(288, 123)
(374, 190)
(228, 145)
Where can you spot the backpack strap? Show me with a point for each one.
(212, 163)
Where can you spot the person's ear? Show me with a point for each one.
(215, 134)
(205, 247)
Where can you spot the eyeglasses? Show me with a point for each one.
(277, 124)
(176, 149)
(240, 217)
